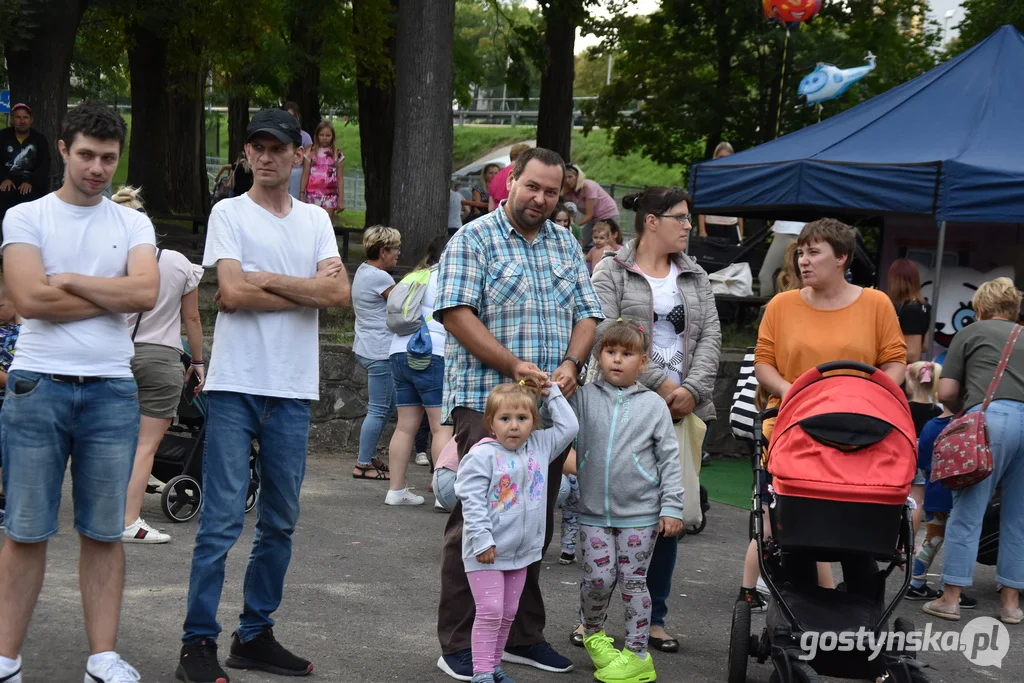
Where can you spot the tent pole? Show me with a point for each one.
(936, 282)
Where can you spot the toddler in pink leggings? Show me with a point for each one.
(502, 485)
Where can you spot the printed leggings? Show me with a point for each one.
(934, 535)
(496, 594)
(569, 502)
(617, 556)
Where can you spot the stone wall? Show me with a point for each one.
(339, 414)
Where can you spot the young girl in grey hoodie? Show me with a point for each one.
(631, 489)
(502, 485)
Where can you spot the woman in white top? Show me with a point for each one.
(419, 388)
(727, 228)
(158, 369)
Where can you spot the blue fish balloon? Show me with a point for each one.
(828, 81)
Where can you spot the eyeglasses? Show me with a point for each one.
(397, 250)
(681, 217)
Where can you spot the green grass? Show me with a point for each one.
(594, 155)
(728, 481)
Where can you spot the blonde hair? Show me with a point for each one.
(128, 196)
(516, 150)
(518, 394)
(581, 177)
(997, 297)
(789, 276)
(380, 237)
(923, 381)
(722, 146)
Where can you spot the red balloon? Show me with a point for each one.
(791, 11)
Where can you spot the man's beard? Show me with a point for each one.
(523, 219)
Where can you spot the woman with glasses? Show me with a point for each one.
(654, 282)
(370, 288)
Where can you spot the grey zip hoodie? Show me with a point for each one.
(627, 457)
(504, 493)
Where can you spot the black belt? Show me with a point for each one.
(75, 379)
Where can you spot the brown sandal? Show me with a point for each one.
(380, 465)
(365, 471)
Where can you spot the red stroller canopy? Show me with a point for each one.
(844, 437)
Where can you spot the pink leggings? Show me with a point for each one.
(496, 594)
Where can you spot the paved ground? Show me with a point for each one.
(362, 597)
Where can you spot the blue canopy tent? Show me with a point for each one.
(947, 145)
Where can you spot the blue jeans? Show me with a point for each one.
(659, 576)
(281, 427)
(963, 529)
(381, 388)
(45, 422)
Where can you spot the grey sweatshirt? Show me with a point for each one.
(627, 457)
(504, 493)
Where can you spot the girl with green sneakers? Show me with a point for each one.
(631, 489)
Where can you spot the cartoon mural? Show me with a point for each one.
(953, 307)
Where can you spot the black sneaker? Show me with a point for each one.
(540, 656)
(458, 665)
(567, 558)
(925, 592)
(264, 653)
(198, 663)
(966, 601)
(753, 598)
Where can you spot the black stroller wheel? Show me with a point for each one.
(253, 494)
(904, 625)
(739, 642)
(802, 673)
(181, 498)
(697, 528)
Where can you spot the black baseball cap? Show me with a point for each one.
(277, 122)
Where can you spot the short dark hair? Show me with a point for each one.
(840, 236)
(544, 156)
(291, 106)
(653, 201)
(96, 120)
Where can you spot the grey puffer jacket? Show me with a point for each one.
(625, 293)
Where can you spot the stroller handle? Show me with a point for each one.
(856, 366)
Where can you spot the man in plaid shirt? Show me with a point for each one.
(515, 296)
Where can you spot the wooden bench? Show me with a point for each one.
(198, 223)
(739, 310)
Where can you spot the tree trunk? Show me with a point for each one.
(188, 188)
(39, 68)
(725, 51)
(376, 90)
(421, 163)
(554, 113)
(304, 83)
(147, 159)
(238, 121)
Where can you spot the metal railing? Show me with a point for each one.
(355, 186)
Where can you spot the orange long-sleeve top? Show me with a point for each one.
(795, 337)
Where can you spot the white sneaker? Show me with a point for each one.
(762, 587)
(11, 674)
(108, 667)
(140, 532)
(422, 459)
(154, 485)
(402, 498)
(438, 506)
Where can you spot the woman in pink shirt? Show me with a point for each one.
(595, 203)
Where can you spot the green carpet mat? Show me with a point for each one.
(728, 481)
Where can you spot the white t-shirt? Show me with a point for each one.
(787, 227)
(438, 335)
(162, 325)
(268, 353)
(454, 209)
(88, 240)
(373, 338)
(668, 349)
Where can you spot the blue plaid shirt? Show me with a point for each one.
(529, 295)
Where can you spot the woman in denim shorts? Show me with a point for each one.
(418, 390)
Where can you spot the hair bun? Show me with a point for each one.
(629, 201)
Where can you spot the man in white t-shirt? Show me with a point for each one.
(75, 264)
(277, 263)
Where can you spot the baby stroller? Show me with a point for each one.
(842, 457)
(179, 459)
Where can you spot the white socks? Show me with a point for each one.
(9, 666)
(99, 658)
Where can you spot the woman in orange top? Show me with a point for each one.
(828, 319)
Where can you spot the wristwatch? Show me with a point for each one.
(576, 362)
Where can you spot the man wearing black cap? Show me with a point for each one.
(264, 371)
(24, 160)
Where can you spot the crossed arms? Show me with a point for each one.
(67, 297)
(259, 291)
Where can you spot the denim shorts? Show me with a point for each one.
(418, 387)
(44, 423)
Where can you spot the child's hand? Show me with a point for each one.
(488, 556)
(670, 526)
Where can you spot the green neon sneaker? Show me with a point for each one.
(628, 668)
(601, 649)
